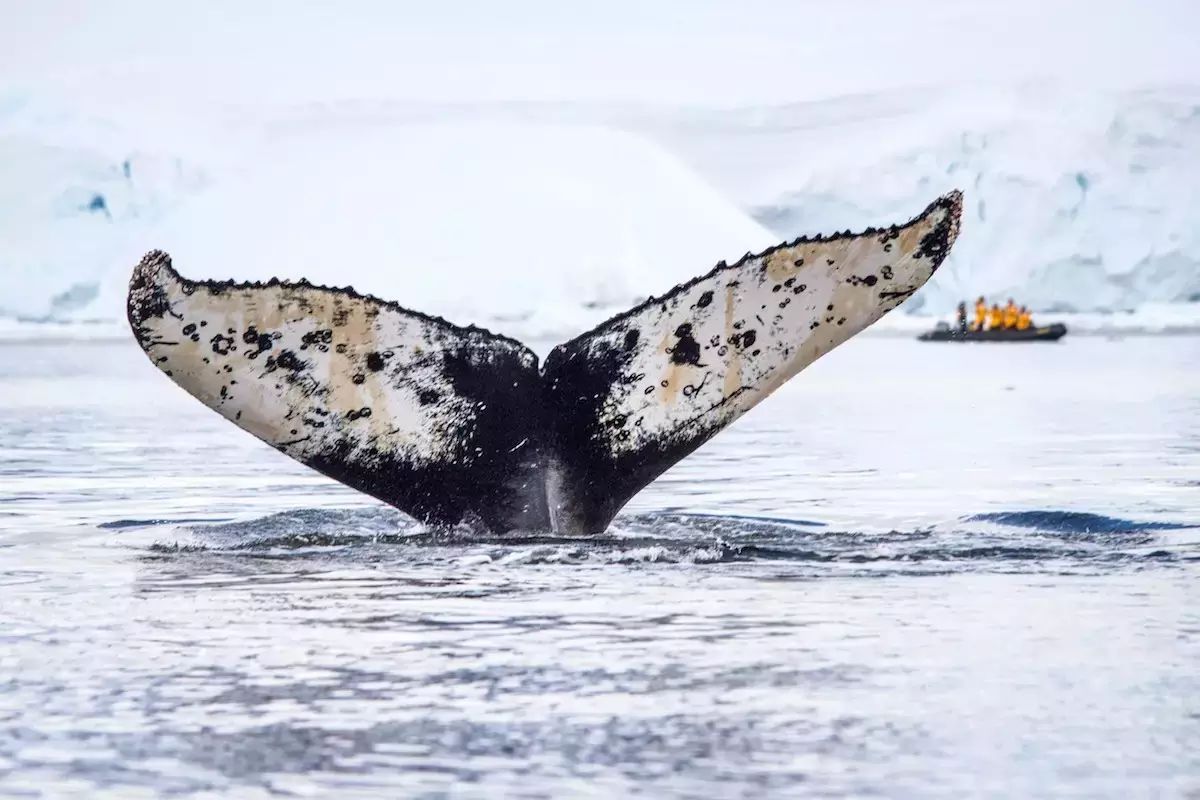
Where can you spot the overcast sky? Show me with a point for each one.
(682, 51)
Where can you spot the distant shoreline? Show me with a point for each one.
(50, 332)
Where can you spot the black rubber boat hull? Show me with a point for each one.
(1045, 333)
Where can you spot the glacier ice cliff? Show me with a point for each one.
(543, 218)
(1081, 201)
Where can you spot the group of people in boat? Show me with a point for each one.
(1011, 317)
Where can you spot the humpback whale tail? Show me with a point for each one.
(450, 423)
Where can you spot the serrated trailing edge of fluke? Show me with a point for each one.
(946, 233)
(147, 275)
(144, 301)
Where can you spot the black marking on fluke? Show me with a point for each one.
(523, 448)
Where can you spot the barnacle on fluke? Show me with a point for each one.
(450, 423)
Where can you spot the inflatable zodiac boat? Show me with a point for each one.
(1042, 333)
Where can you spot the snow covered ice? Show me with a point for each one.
(1075, 200)
(520, 225)
(542, 219)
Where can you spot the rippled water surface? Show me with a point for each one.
(918, 570)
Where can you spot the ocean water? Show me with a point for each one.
(918, 570)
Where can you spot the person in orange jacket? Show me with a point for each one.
(981, 313)
(1011, 315)
(1024, 319)
(995, 318)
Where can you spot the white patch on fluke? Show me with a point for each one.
(306, 369)
(712, 350)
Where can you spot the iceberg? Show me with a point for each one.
(531, 228)
(1074, 201)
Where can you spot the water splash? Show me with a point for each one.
(1048, 540)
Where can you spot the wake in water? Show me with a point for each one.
(1055, 541)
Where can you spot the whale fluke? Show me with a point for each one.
(451, 423)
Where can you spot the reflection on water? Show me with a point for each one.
(916, 572)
